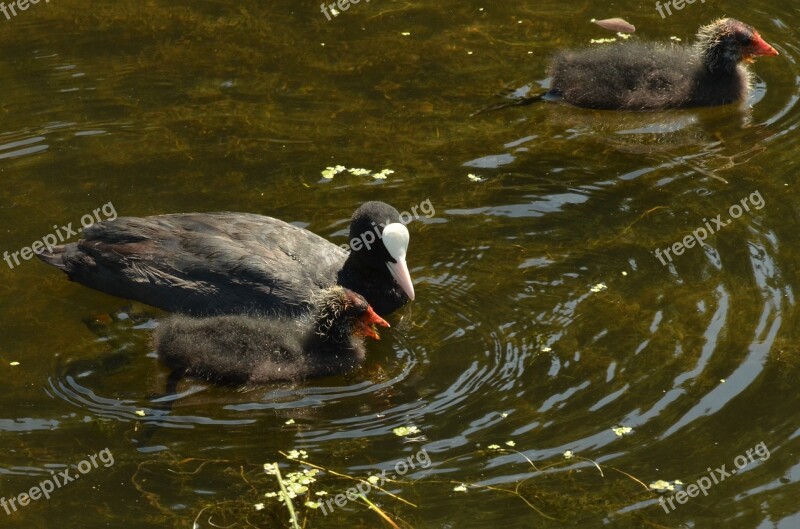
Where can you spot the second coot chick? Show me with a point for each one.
(252, 350)
(639, 76)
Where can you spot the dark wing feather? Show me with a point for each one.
(205, 263)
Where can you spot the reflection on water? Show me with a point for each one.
(543, 322)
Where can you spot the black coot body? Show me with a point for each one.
(230, 263)
(246, 350)
(641, 76)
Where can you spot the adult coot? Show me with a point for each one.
(641, 76)
(251, 350)
(227, 263)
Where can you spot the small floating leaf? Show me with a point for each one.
(330, 172)
(382, 174)
(662, 486)
(403, 431)
(622, 430)
(616, 24)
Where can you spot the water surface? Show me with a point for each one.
(543, 318)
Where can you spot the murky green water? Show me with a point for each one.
(543, 316)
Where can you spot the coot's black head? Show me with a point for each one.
(726, 42)
(379, 240)
(342, 313)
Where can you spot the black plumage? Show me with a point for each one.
(229, 263)
(248, 350)
(649, 76)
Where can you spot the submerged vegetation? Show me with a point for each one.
(556, 373)
(566, 489)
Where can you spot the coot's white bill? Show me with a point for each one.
(395, 239)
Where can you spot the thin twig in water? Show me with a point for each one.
(379, 511)
(633, 478)
(592, 462)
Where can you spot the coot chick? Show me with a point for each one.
(252, 350)
(232, 263)
(648, 76)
